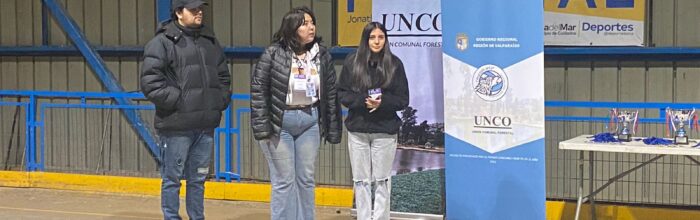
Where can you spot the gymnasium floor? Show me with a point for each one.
(33, 203)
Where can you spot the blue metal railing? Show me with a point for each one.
(237, 52)
(83, 105)
(339, 53)
(107, 79)
(34, 157)
(32, 123)
(232, 167)
(661, 106)
(27, 134)
(229, 173)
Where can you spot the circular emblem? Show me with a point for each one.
(490, 82)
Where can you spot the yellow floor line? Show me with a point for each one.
(75, 213)
(557, 210)
(325, 196)
(14, 179)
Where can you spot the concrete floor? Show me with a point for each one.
(30, 203)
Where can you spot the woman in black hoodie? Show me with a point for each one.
(373, 87)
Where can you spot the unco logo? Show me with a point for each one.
(490, 82)
(412, 22)
(498, 122)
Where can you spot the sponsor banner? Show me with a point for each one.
(414, 34)
(594, 22)
(353, 15)
(494, 109)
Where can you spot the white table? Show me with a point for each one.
(583, 143)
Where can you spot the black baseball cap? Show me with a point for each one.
(188, 4)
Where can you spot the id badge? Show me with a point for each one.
(310, 89)
(299, 84)
(374, 93)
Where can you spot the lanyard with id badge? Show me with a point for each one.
(302, 81)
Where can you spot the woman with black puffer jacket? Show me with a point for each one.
(294, 105)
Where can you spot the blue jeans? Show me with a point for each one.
(185, 154)
(291, 157)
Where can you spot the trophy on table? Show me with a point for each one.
(677, 119)
(625, 123)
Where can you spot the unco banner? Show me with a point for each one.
(494, 109)
(414, 33)
(594, 22)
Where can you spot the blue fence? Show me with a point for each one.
(660, 106)
(35, 152)
(230, 168)
(227, 130)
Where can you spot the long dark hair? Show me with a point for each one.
(384, 59)
(287, 34)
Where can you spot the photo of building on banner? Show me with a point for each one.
(415, 36)
(594, 22)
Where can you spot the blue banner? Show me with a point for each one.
(493, 68)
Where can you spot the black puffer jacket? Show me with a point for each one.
(185, 74)
(268, 90)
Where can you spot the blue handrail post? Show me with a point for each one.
(237, 130)
(42, 134)
(216, 154)
(27, 132)
(238, 142)
(228, 142)
(227, 157)
(106, 77)
(31, 124)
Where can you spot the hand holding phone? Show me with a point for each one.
(373, 102)
(374, 99)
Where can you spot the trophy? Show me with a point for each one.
(677, 119)
(625, 123)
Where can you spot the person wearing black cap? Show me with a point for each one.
(185, 74)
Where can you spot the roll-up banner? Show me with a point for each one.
(494, 109)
